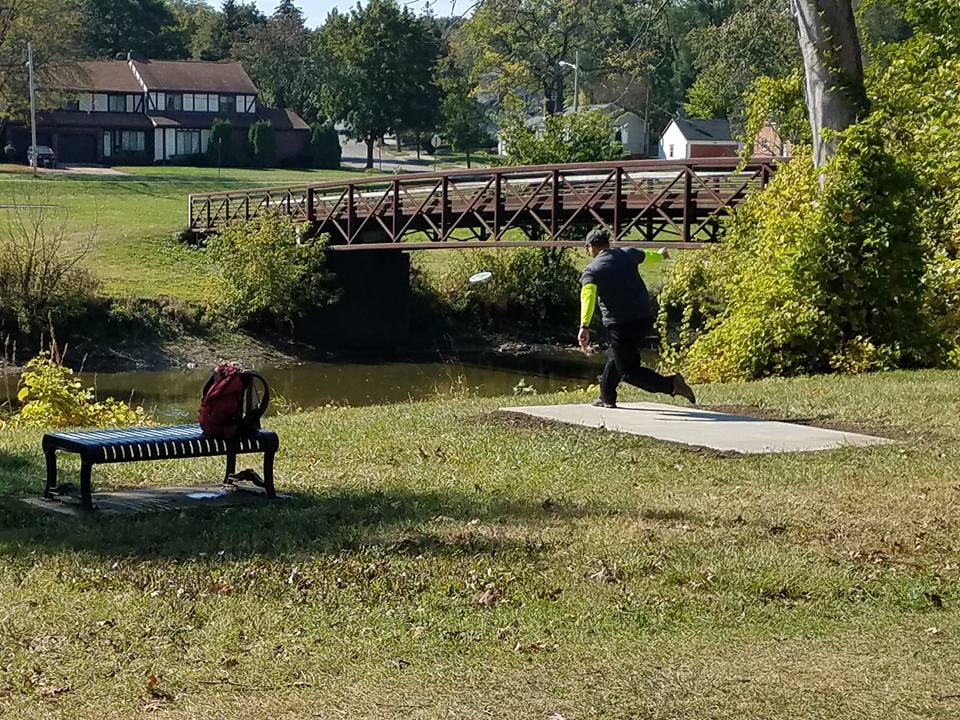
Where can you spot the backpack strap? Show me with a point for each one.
(253, 412)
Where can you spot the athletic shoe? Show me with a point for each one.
(600, 402)
(681, 388)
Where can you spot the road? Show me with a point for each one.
(354, 155)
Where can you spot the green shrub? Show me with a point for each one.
(263, 143)
(219, 146)
(266, 274)
(324, 147)
(51, 396)
(809, 279)
(529, 287)
(586, 136)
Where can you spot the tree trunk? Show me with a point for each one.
(370, 139)
(468, 159)
(833, 69)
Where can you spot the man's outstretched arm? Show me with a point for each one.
(588, 305)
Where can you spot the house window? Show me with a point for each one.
(174, 102)
(188, 142)
(117, 103)
(72, 105)
(200, 102)
(671, 151)
(228, 103)
(129, 140)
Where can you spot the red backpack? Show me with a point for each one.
(229, 404)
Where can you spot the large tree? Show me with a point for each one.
(463, 120)
(758, 39)
(520, 43)
(234, 25)
(31, 20)
(279, 58)
(833, 70)
(148, 28)
(378, 61)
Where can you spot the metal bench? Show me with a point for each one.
(153, 443)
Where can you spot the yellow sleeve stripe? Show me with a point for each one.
(588, 303)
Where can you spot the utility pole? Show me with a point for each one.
(33, 109)
(576, 83)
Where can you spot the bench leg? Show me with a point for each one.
(86, 497)
(231, 467)
(51, 456)
(268, 475)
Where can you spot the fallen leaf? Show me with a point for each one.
(488, 598)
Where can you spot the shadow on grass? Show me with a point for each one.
(396, 520)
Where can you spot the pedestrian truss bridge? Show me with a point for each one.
(680, 203)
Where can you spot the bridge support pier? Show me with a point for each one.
(373, 312)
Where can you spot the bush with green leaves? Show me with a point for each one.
(586, 136)
(809, 278)
(325, 148)
(528, 287)
(858, 273)
(52, 396)
(219, 146)
(267, 273)
(263, 144)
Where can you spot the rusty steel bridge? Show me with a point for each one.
(641, 202)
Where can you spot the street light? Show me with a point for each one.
(576, 79)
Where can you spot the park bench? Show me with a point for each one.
(175, 442)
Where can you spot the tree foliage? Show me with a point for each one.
(325, 148)
(267, 275)
(277, 55)
(379, 61)
(853, 265)
(263, 143)
(586, 136)
(463, 120)
(759, 39)
(31, 21)
(148, 28)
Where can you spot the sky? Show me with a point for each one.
(316, 11)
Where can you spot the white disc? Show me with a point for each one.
(480, 277)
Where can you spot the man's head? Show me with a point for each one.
(597, 241)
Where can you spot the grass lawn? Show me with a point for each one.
(129, 220)
(438, 562)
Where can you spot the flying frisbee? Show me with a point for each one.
(480, 277)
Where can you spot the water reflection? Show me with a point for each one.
(173, 395)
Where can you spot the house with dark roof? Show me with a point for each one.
(143, 111)
(689, 138)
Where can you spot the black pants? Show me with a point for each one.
(624, 362)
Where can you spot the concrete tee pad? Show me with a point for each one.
(701, 428)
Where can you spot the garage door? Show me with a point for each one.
(77, 148)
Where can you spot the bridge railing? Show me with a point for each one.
(655, 199)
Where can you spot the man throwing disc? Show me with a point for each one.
(612, 280)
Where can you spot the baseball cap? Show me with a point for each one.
(597, 236)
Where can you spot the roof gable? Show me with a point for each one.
(195, 75)
(714, 130)
(95, 76)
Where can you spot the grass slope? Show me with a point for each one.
(128, 221)
(439, 562)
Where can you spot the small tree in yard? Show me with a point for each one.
(263, 143)
(463, 118)
(586, 136)
(325, 147)
(219, 150)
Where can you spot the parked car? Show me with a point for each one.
(45, 156)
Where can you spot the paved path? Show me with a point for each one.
(702, 428)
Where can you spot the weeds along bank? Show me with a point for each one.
(535, 569)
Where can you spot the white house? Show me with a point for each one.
(630, 128)
(688, 138)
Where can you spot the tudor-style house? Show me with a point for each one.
(145, 111)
